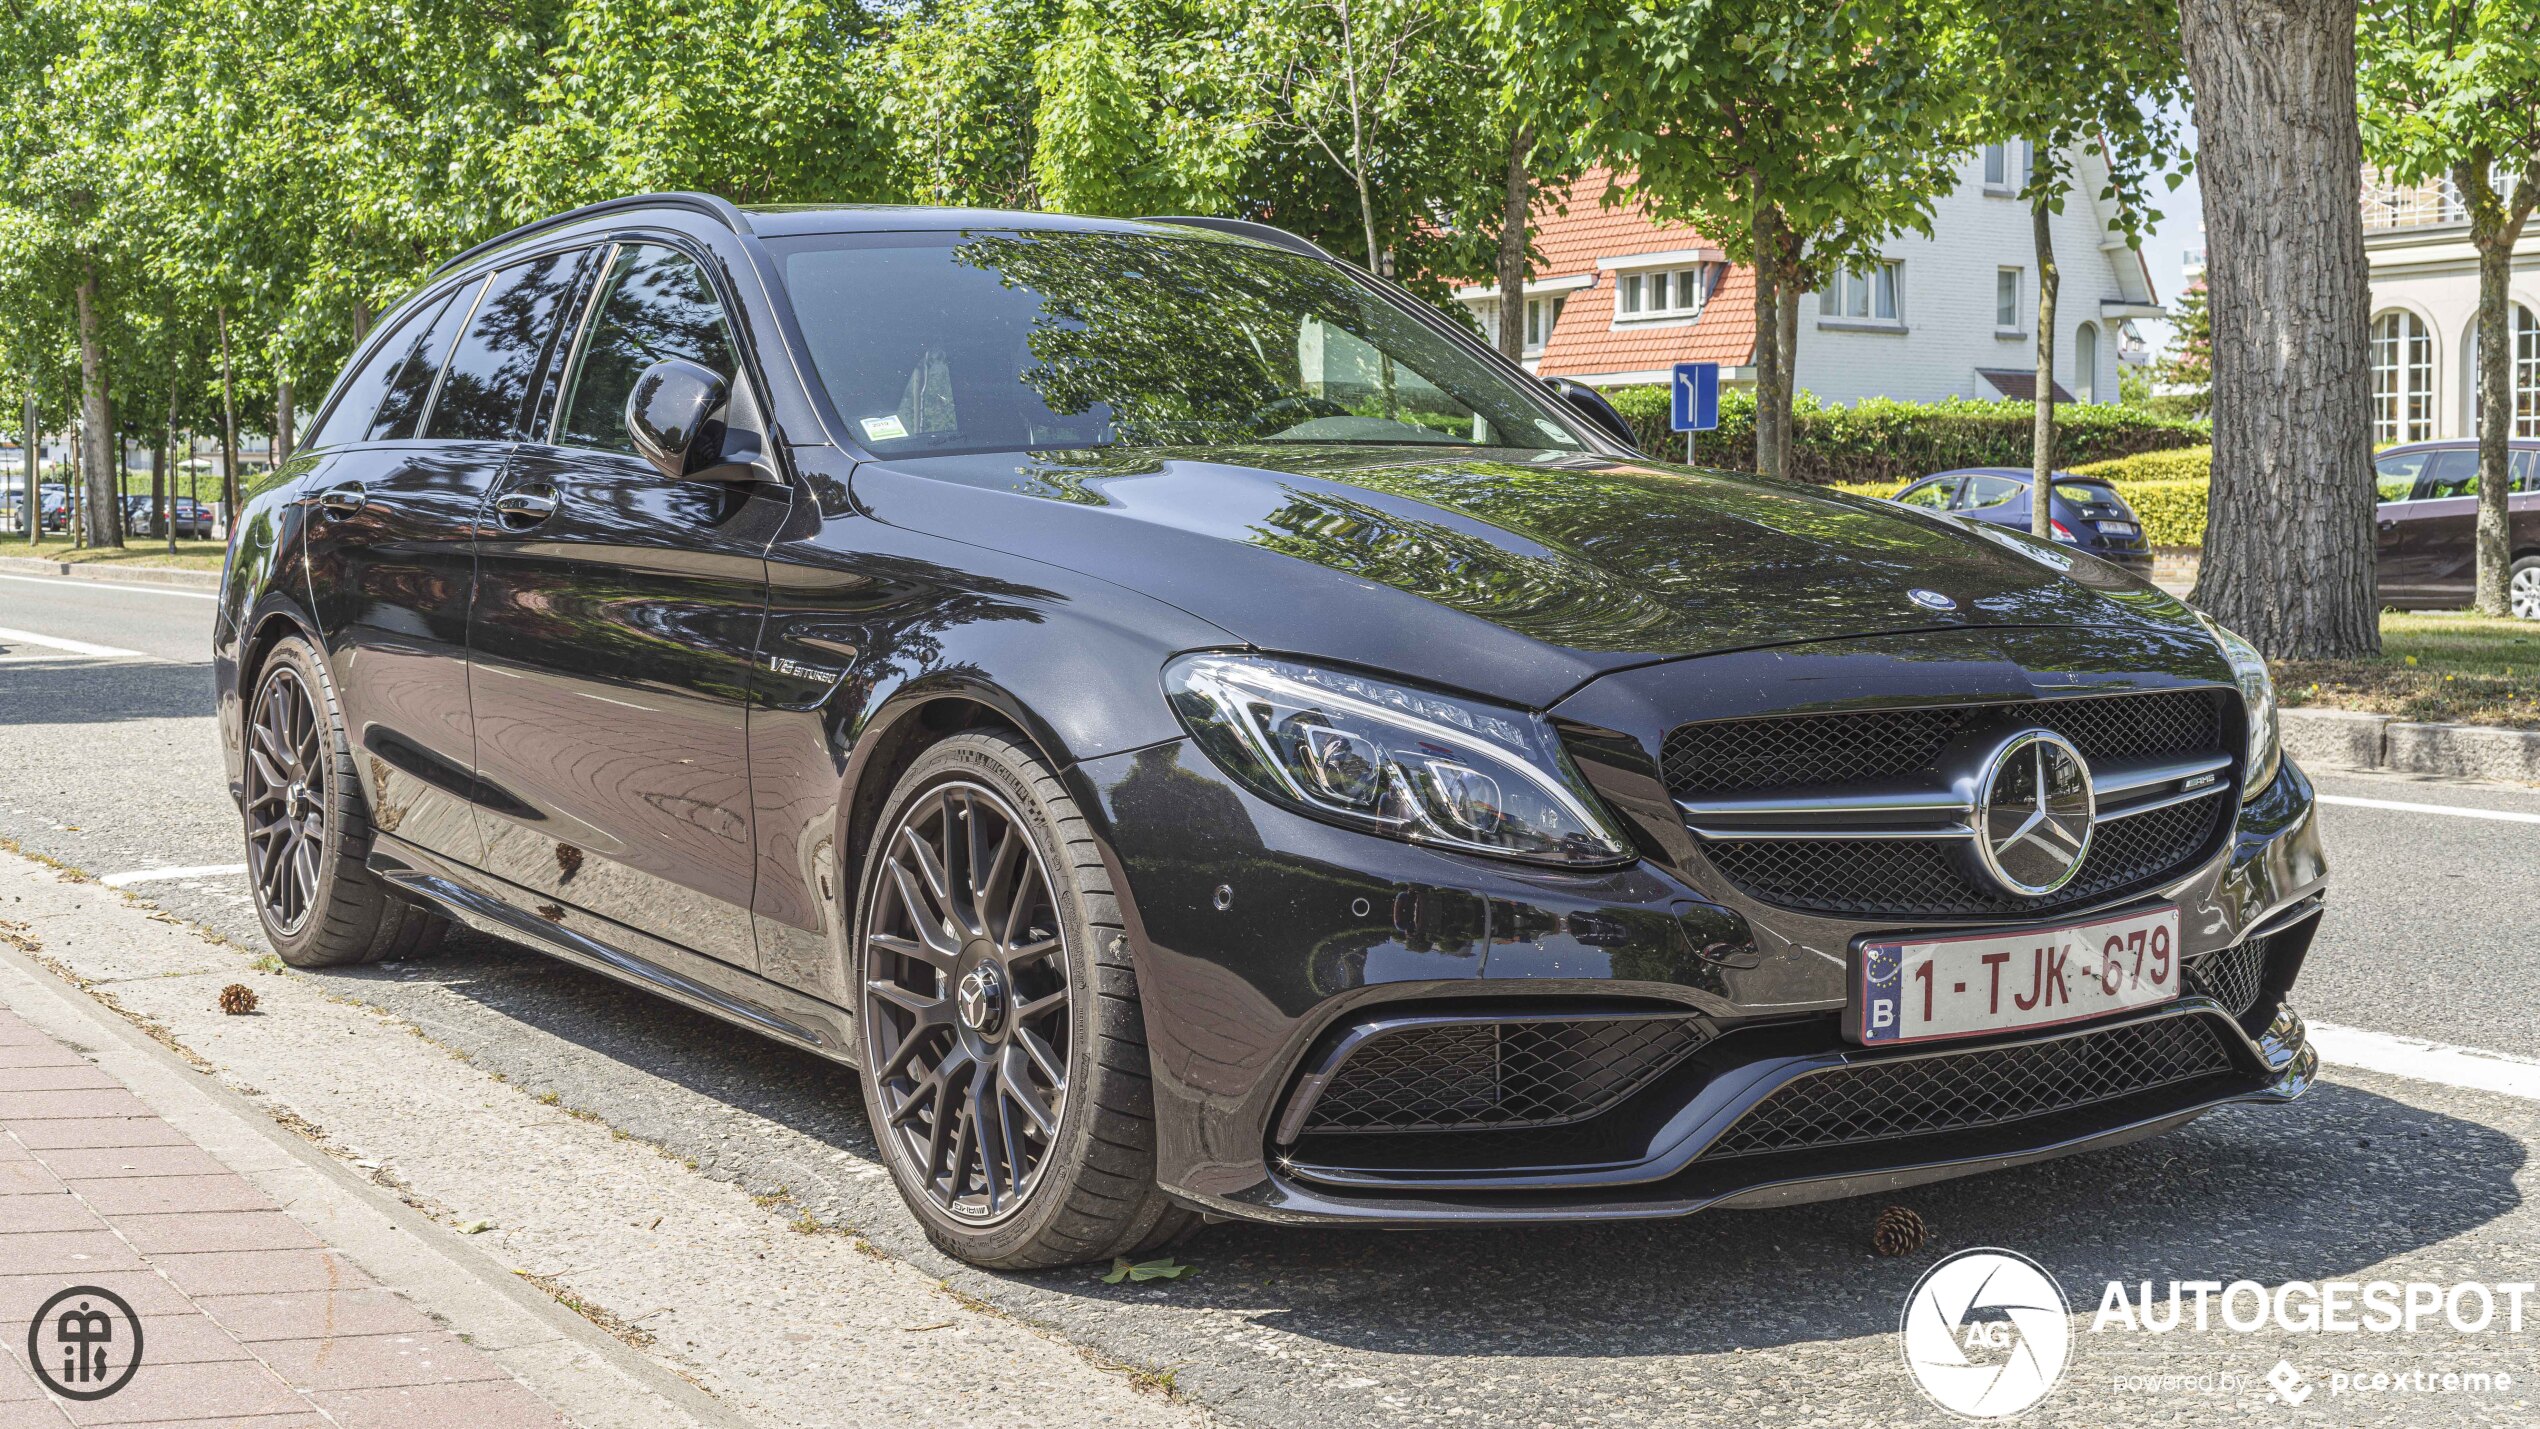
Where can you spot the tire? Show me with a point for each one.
(308, 830)
(957, 984)
(2522, 588)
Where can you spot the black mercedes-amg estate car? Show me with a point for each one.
(1202, 736)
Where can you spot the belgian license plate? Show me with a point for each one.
(1919, 989)
(2126, 529)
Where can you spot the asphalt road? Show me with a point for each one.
(107, 762)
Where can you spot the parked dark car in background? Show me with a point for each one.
(2088, 515)
(2426, 547)
(1203, 735)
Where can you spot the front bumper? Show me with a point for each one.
(1263, 938)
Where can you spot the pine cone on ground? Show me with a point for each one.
(1899, 1232)
(237, 999)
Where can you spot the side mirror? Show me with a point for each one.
(668, 409)
(1592, 405)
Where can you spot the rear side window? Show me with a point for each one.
(657, 305)
(2395, 476)
(350, 419)
(504, 351)
(402, 410)
(1932, 495)
(2526, 470)
(1990, 491)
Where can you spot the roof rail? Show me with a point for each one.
(721, 210)
(1245, 228)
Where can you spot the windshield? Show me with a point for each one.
(939, 343)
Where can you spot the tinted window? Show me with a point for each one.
(412, 386)
(1000, 341)
(657, 305)
(1932, 494)
(504, 351)
(2395, 475)
(2452, 472)
(349, 420)
(2526, 470)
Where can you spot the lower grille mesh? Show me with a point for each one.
(1923, 877)
(1459, 1075)
(1878, 1101)
(2230, 976)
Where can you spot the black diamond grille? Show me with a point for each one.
(2230, 976)
(1738, 756)
(1446, 1076)
(1879, 1101)
(1924, 877)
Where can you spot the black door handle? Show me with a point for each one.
(527, 506)
(344, 500)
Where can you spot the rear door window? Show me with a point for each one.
(1985, 491)
(657, 305)
(1931, 495)
(2394, 476)
(514, 326)
(2452, 471)
(401, 411)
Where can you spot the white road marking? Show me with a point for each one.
(2458, 811)
(75, 583)
(56, 642)
(2473, 1068)
(157, 875)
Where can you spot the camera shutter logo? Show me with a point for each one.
(1986, 1333)
(85, 1343)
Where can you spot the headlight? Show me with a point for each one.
(1393, 760)
(2257, 695)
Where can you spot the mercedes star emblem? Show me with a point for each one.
(2033, 814)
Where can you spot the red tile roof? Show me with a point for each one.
(1586, 339)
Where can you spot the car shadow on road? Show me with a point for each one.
(2341, 1181)
(82, 694)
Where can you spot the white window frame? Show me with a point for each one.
(1687, 287)
(2013, 323)
(1543, 314)
(2402, 350)
(2524, 328)
(1855, 298)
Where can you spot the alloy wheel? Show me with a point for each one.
(968, 1014)
(286, 799)
(2526, 593)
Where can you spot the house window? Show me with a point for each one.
(2006, 299)
(1864, 296)
(2086, 363)
(1997, 166)
(2526, 376)
(1542, 314)
(2402, 379)
(1674, 292)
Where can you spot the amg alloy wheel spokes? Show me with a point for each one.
(967, 1003)
(286, 799)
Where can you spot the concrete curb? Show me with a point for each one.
(124, 575)
(2345, 739)
(564, 1359)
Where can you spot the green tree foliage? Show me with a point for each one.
(2449, 90)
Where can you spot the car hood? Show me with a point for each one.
(1494, 572)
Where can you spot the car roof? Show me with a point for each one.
(2454, 444)
(2019, 473)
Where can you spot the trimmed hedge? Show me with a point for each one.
(1885, 442)
(2194, 464)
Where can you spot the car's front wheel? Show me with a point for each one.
(308, 829)
(1005, 1062)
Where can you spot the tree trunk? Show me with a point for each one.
(282, 443)
(97, 417)
(1768, 349)
(34, 469)
(2289, 539)
(1786, 360)
(163, 478)
(361, 322)
(2041, 521)
(229, 426)
(1514, 219)
(2495, 226)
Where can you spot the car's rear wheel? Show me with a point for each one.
(308, 830)
(2522, 588)
(1005, 1064)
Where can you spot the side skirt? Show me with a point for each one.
(500, 909)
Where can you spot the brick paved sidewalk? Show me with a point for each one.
(246, 1316)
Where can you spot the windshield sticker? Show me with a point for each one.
(884, 429)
